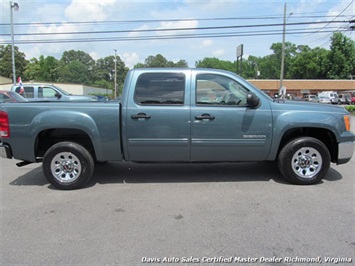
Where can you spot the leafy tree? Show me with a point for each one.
(74, 72)
(76, 67)
(85, 58)
(213, 62)
(250, 67)
(44, 69)
(6, 62)
(341, 57)
(309, 63)
(160, 61)
(104, 72)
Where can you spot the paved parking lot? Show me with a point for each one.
(206, 214)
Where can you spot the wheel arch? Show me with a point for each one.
(49, 137)
(324, 135)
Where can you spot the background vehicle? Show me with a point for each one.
(11, 96)
(41, 92)
(161, 118)
(345, 98)
(329, 97)
(311, 98)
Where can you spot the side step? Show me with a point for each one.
(23, 163)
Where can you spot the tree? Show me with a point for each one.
(6, 62)
(341, 57)
(309, 64)
(213, 62)
(76, 67)
(74, 72)
(104, 72)
(250, 67)
(44, 69)
(160, 61)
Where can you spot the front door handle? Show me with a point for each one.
(204, 116)
(140, 116)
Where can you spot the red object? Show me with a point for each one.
(4, 125)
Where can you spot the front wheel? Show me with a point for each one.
(304, 161)
(68, 165)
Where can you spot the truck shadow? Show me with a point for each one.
(194, 173)
(117, 172)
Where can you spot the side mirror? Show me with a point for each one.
(58, 95)
(252, 100)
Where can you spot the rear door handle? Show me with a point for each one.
(204, 116)
(141, 116)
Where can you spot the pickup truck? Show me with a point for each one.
(177, 115)
(48, 92)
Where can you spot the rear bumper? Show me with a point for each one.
(5, 151)
(346, 151)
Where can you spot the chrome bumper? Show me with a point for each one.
(5, 151)
(346, 150)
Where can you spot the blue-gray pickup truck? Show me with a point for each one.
(177, 115)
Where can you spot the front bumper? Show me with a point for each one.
(5, 151)
(346, 150)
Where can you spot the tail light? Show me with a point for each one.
(4, 125)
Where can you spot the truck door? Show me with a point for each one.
(157, 118)
(223, 127)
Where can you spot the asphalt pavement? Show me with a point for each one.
(181, 214)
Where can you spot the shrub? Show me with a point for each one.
(350, 108)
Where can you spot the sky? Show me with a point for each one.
(177, 29)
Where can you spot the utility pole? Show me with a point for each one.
(14, 6)
(283, 52)
(115, 74)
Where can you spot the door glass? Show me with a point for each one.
(46, 92)
(160, 89)
(212, 89)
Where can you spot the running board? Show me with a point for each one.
(23, 163)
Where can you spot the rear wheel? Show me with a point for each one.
(304, 161)
(68, 165)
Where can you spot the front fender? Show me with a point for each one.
(286, 121)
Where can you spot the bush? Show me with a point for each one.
(350, 108)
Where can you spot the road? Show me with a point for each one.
(204, 214)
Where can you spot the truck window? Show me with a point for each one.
(160, 89)
(28, 92)
(219, 90)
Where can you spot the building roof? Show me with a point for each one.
(305, 84)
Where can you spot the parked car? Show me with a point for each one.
(329, 97)
(345, 98)
(311, 98)
(11, 97)
(46, 92)
(353, 100)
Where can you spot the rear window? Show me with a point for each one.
(160, 89)
(27, 93)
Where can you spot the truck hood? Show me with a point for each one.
(307, 106)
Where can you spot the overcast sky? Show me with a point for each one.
(137, 29)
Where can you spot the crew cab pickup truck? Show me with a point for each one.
(177, 115)
(48, 92)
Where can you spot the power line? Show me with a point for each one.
(178, 29)
(166, 37)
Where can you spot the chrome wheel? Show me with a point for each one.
(306, 162)
(65, 167)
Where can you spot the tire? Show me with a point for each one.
(68, 165)
(304, 161)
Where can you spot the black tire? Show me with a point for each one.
(68, 165)
(304, 161)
